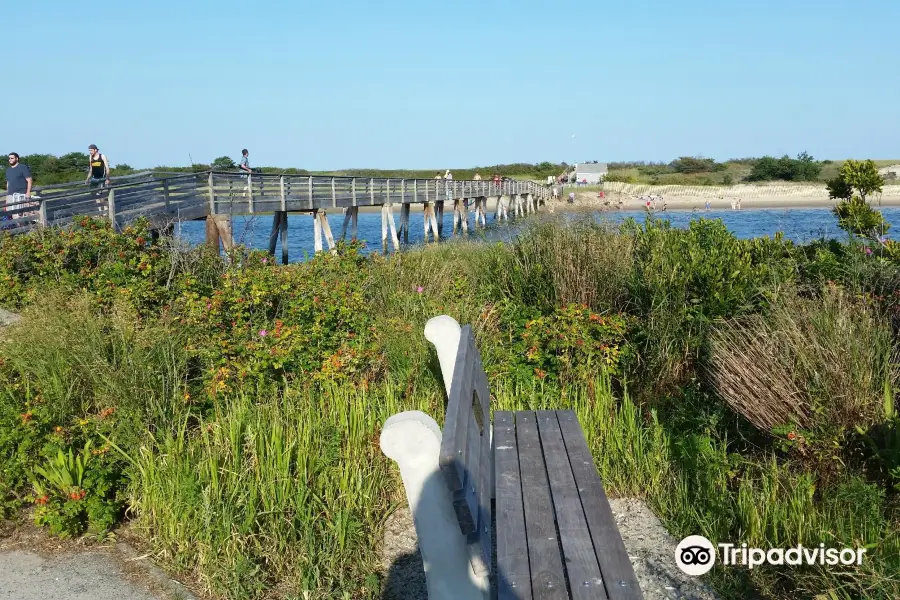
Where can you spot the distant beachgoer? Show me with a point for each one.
(571, 197)
(707, 205)
(18, 182)
(448, 175)
(477, 177)
(739, 204)
(555, 193)
(98, 168)
(438, 176)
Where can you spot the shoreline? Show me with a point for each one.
(588, 202)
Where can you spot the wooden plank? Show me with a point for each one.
(583, 572)
(544, 556)
(618, 574)
(513, 577)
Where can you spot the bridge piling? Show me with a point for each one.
(387, 220)
(351, 216)
(279, 226)
(404, 221)
(439, 214)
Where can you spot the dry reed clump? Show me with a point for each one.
(811, 363)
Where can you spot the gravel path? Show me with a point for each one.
(34, 566)
(651, 548)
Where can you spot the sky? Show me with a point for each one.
(419, 85)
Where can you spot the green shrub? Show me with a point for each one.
(682, 280)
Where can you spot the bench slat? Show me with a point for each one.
(547, 578)
(618, 574)
(513, 578)
(585, 580)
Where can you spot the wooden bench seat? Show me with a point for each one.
(555, 533)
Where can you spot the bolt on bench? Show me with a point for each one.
(555, 532)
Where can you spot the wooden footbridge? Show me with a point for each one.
(165, 198)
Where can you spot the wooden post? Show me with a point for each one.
(439, 210)
(42, 213)
(404, 222)
(212, 233)
(250, 192)
(283, 197)
(351, 217)
(333, 194)
(111, 201)
(326, 229)
(317, 232)
(284, 237)
(212, 195)
(276, 227)
(387, 220)
(311, 193)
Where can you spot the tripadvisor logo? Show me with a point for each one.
(696, 555)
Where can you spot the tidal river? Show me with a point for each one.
(798, 224)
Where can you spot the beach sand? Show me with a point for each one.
(591, 201)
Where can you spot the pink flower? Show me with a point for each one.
(263, 333)
(868, 250)
(420, 289)
(265, 259)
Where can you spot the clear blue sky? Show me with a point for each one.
(451, 84)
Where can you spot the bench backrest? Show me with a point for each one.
(466, 459)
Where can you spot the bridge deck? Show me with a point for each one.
(167, 197)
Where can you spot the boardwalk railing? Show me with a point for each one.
(165, 197)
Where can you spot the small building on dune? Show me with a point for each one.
(589, 173)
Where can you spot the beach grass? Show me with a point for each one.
(236, 408)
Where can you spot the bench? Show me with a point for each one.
(531, 480)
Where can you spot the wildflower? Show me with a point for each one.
(265, 260)
(792, 436)
(187, 396)
(42, 500)
(107, 412)
(59, 429)
(26, 417)
(868, 251)
(420, 289)
(263, 333)
(540, 374)
(77, 495)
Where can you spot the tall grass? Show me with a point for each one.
(284, 492)
(553, 264)
(79, 360)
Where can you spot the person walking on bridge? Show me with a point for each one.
(244, 165)
(98, 168)
(18, 184)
